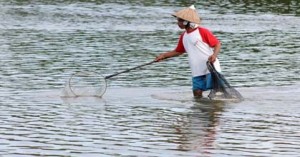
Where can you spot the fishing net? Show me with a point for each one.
(90, 84)
(221, 89)
(85, 84)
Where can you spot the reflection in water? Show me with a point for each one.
(197, 129)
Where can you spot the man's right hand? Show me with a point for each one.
(160, 57)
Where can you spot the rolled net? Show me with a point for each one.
(85, 84)
(221, 89)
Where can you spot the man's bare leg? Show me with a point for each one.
(197, 93)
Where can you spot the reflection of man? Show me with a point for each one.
(201, 46)
(197, 132)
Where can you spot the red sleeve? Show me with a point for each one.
(180, 47)
(208, 37)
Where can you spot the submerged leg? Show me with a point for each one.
(197, 93)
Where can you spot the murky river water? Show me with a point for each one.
(147, 112)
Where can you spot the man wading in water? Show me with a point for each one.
(201, 46)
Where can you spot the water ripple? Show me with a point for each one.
(43, 43)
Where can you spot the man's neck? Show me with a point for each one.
(189, 30)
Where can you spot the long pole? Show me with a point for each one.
(127, 70)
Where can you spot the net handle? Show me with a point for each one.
(127, 70)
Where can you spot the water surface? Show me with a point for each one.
(150, 111)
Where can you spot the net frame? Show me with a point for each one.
(78, 85)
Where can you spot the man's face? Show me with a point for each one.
(180, 23)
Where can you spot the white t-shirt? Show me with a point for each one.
(199, 45)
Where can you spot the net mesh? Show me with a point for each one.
(221, 88)
(87, 84)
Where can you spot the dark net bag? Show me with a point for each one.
(221, 89)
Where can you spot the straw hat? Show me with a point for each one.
(189, 14)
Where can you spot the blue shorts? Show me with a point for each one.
(203, 82)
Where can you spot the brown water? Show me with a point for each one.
(147, 112)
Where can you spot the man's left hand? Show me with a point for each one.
(212, 58)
